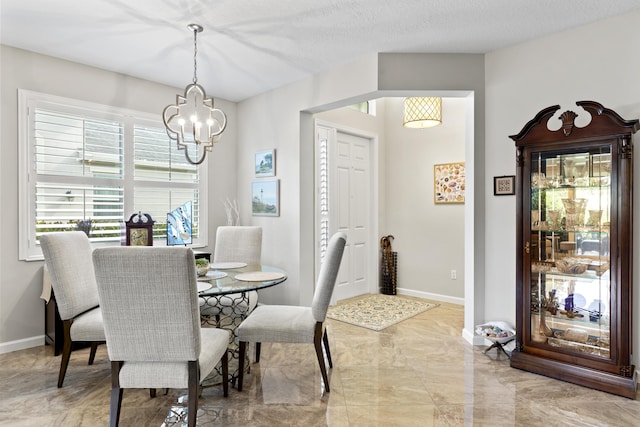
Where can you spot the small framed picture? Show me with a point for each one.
(265, 198)
(265, 163)
(504, 185)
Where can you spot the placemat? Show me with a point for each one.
(259, 276)
(213, 275)
(226, 265)
(203, 286)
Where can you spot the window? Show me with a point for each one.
(82, 162)
(367, 107)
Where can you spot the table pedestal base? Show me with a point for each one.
(499, 346)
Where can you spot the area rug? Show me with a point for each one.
(378, 311)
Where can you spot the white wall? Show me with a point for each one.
(21, 309)
(595, 62)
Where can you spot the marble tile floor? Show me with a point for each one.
(416, 373)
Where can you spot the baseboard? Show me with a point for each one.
(472, 338)
(428, 295)
(8, 347)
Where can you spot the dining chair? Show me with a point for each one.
(293, 324)
(149, 301)
(234, 244)
(68, 260)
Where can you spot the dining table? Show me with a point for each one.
(226, 286)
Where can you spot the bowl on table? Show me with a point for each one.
(500, 332)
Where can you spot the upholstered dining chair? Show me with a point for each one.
(68, 260)
(292, 324)
(149, 301)
(235, 244)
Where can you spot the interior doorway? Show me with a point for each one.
(346, 202)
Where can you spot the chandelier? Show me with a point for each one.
(193, 122)
(422, 112)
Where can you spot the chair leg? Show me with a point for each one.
(194, 383)
(325, 339)
(116, 404)
(258, 352)
(116, 395)
(92, 354)
(153, 392)
(66, 351)
(225, 373)
(317, 342)
(243, 351)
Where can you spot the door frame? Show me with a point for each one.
(373, 200)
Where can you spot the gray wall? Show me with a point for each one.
(429, 237)
(21, 309)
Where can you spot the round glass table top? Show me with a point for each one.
(249, 278)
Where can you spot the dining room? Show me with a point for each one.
(429, 367)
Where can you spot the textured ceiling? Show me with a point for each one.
(251, 46)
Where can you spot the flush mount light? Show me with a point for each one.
(422, 113)
(192, 121)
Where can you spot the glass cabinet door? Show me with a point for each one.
(574, 241)
(570, 211)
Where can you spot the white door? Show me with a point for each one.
(345, 205)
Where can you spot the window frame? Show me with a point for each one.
(29, 248)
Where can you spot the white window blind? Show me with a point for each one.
(323, 189)
(84, 163)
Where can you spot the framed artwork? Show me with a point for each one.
(504, 185)
(265, 198)
(265, 163)
(449, 183)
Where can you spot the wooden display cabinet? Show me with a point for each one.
(574, 260)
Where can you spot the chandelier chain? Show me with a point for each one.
(195, 54)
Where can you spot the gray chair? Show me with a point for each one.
(235, 244)
(238, 243)
(149, 301)
(292, 324)
(67, 257)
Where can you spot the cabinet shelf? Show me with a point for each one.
(564, 188)
(591, 342)
(587, 276)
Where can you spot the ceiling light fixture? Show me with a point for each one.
(422, 113)
(193, 120)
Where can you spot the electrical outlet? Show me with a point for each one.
(454, 275)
